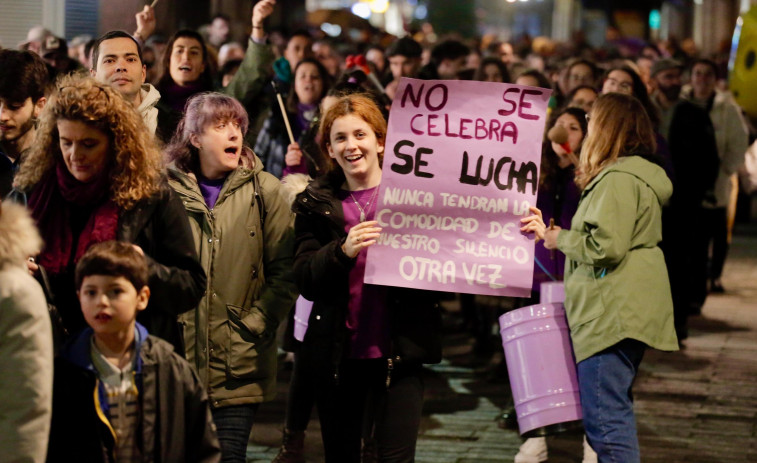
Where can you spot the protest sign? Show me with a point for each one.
(460, 170)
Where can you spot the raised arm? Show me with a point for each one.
(256, 69)
(145, 24)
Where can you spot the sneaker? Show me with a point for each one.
(533, 450)
(590, 456)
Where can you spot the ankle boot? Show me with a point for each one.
(292, 447)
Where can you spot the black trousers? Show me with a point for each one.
(685, 245)
(716, 229)
(360, 406)
(301, 394)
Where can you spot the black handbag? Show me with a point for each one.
(60, 333)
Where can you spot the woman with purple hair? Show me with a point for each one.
(243, 235)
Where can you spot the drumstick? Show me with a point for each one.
(552, 227)
(154, 2)
(283, 112)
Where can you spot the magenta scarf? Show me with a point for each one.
(51, 203)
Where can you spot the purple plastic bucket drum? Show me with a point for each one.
(541, 364)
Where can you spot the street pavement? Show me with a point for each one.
(697, 405)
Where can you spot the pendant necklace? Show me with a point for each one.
(365, 208)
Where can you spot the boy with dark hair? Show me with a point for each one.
(120, 394)
(23, 85)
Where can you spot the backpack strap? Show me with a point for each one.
(259, 200)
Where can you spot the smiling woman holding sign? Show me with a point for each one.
(369, 342)
(617, 292)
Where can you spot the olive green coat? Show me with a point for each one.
(231, 336)
(616, 282)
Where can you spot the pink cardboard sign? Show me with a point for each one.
(461, 168)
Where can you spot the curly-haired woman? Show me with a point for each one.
(94, 175)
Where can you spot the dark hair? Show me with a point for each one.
(355, 83)
(108, 36)
(88, 47)
(590, 64)
(707, 62)
(492, 49)
(449, 49)
(639, 91)
(229, 66)
(206, 78)
(349, 87)
(549, 166)
(292, 98)
(115, 259)
(24, 75)
(541, 79)
(572, 94)
(405, 46)
(479, 75)
(300, 33)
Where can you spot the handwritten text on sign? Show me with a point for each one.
(460, 170)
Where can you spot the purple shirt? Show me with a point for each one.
(210, 189)
(367, 317)
(558, 202)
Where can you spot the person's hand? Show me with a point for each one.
(534, 223)
(550, 237)
(261, 10)
(294, 155)
(138, 249)
(361, 236)
(145, 23)
(32, 266)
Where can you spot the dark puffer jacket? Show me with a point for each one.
(322, 275)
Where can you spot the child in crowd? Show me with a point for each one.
(120, 394)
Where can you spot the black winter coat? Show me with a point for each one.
(175, 423)
(322, 275)
(159, 225)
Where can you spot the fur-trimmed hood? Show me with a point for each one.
(292, 185)
(19, 238)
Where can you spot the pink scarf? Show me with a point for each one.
(51, 203)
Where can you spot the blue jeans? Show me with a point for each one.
(234, 425)
(605, 381)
